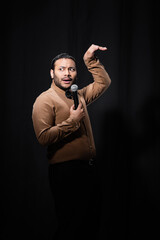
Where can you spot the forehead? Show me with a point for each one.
(65, 62)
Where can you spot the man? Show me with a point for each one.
(67, 133)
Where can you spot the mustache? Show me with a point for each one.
(67, 78)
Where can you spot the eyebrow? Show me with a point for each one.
(69, 67)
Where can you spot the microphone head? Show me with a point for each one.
(74, 88)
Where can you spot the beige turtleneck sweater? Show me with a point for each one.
(65, 138)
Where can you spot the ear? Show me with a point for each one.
(52, 73)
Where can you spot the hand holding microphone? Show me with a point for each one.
(77, 114)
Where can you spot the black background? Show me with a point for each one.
(125, 120)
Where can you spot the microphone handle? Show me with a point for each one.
(75, 98)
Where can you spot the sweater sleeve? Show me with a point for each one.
(101, 80)
(43, 117)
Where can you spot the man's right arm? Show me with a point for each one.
(43, 116)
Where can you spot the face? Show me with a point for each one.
(64, 73)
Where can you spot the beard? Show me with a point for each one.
(57, 83)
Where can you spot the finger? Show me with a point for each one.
(93, 48)
(83, 114)
(80, 105)
(72, 107)
(102, 48)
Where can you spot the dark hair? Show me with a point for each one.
(61, 55)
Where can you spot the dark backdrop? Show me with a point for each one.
(125, 120)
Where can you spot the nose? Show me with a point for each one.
(67, 72)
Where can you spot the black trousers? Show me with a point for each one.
(77, 195)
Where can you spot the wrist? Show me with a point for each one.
(91, 60)
(73, 122)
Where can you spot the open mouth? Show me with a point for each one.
(67, 80)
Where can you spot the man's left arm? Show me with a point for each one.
(100, 76)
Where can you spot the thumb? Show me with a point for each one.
(72, 107)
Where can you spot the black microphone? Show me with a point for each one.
(74, 89)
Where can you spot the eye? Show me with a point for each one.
(72, 69)
(61, 68)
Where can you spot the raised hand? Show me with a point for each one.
(91, 50)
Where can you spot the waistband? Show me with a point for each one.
(90, 162)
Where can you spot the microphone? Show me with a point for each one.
(68, 94)
(74, 89)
